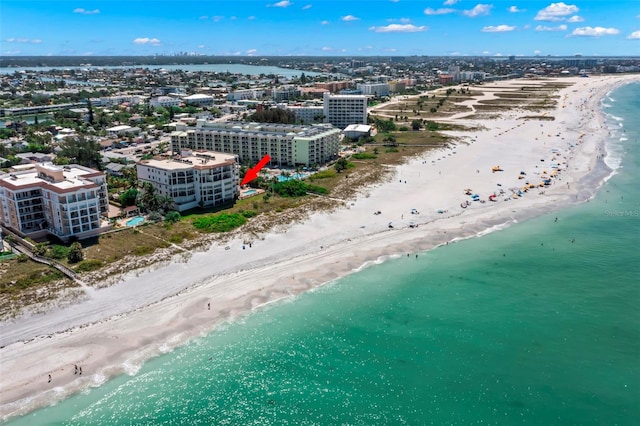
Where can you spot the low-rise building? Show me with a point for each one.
(122, 130)
(193, 179)
(357, 131)
(198, 99)
(164, 101)
(64, 201)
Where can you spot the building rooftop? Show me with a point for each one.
(52, 176)
(192, 159)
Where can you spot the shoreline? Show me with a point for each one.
(116, 344)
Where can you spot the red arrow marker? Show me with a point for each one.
(253, 173)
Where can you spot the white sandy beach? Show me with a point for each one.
(149, 312)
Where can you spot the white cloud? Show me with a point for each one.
(217, 18)
(514, 9)
(450, 2)
(576, 18)
(545, 28)
(537, 52)
(204, 17)
(441, 11)
(251, 18)
(498, 29)
(308, 6)
(282, 3)
(478, 10)
(11, 52)
(86, 12)
(147, 40)
(202, 46)
(398, 28)
(349, 18)
(251, 52)
(634, 35)
(594, 31)
(324, 22)
(23, 40)
(326, 49)
(556, 12)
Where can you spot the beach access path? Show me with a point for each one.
(115, 329)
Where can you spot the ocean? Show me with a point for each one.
(534, 324)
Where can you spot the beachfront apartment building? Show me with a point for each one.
(193, 179)
(66, 202)
(342, 110)
(286, 144)
(374, 89)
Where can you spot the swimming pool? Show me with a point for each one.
(298, 176)
(135, 221)
(249, 192)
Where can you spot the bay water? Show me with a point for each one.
(535, 324)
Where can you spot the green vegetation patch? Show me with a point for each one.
(223, 222)
(364, 156)
(324, 174)
(88, 265)
(297, 188)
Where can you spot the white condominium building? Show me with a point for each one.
(307, 114)
(342, 110)
(286, 144)
(374, 89)
(63, 201)
(195, 179)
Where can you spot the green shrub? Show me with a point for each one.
(249, 213)
(172, 217)
(57, 252)
(222, 222)
(142, 250)
(88, 265)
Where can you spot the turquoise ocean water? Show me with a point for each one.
(537, 324)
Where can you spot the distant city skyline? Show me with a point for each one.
(319, 28)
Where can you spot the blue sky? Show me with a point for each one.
(320, 27)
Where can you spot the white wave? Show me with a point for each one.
(494, 228)
(615, 117)
(606, 105)
(130, 368)
(614, 153)
(98, 379)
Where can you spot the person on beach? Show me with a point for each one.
(49, 378)
(80, 369)
(209, 306)
(75, 369)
